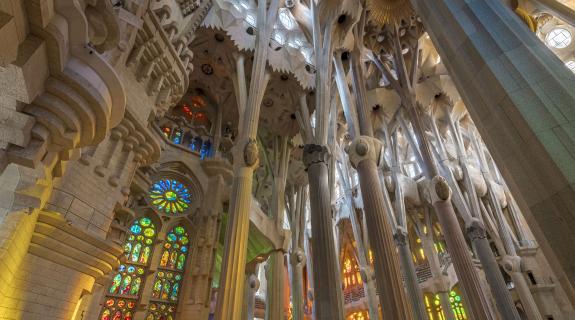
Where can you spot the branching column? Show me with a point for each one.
(364, 154)
(245, 152)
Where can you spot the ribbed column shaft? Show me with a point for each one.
(275, 286)
(387, 271)
(503, 300)
(415, 295)
(328, 301)
(297, 292)
(234, 260)
(466, 273)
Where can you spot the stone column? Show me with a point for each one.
(411, 281)
(297, 260)
(328, 301)
(512, 265)
(478, 237)
(462, 262)
(363, 154)
(296, 200)
(275, 286)
(365, 268)
(253, 284)
(245, 161)
(501, 70)
(441, 284)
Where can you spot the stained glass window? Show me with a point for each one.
(118, 309)
(351, 275)
(168, 282)
(138, 246)
(126, 285)
(170, 196)
(175, 249)
(161, 311)
(435, 311)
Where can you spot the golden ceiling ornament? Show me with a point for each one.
(527, 19)
(389, 11)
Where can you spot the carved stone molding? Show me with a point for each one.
(57, 241)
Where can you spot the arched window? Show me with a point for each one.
(168, 282)
(125, 289)
(170, 196)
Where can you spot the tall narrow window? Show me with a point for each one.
(168, 281)
(124, 290)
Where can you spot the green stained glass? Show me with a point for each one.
(116, 283)
(181, 261)
(135, 286)
(144, 222)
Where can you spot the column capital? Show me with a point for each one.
(364, 148)
(315, 153)
(476, 230)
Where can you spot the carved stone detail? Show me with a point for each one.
(476, 230)
(440, 190)
(251, 153)
(363, 148)
(314, 153)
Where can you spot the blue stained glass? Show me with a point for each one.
(171, 237)
(136, 229)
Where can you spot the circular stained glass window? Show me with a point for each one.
(170, 196)
(558, 38)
